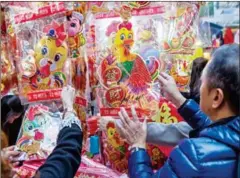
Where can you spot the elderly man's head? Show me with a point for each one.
(220, 89)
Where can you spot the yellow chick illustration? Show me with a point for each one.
(123, 42)
(112, 135)
(50, 59)
(130, 63)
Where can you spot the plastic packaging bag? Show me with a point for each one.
(43, 51)
(11, 10)
(180, 27)
(179, 67)
(127, 71)
(39, 131)
(87, 168)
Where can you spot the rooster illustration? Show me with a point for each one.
(112, 135)
(134, 70)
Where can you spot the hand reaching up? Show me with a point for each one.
(68, 97)
(170, 90)
(134, 131)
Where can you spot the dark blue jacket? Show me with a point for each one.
(66, 157)
(211, 152)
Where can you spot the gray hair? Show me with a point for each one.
(223, 72)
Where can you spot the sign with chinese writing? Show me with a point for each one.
(111, 75)
(115, 95)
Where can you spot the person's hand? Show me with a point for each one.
(68, 96)
(132, 130)
(170, 90)
(8, 154)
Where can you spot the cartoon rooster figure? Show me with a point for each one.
(134, 70)
(114, 139)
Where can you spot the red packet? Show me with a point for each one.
(167, 114)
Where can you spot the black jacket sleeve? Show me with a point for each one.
(65, 159)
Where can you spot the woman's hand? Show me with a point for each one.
(132, 130)
(68, 97)
(170, 90)
(10, 155)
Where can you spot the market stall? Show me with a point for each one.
(112, 54)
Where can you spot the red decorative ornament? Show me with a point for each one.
(188, 42)
(126, 25)
(115, 95)
(35, 110)
(126, 8)
(56, 31)
(112, 28)
(38, 135)
(111, 75)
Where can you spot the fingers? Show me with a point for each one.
(15, 164)
(68, 88)
(165, 75)
(145, 123)
(10, 148)
(119, 130)
(11, 154)
(125, 115)
(66, 91)
(162, 80)
(134, 114)
(16, 175)
(125, 133)
(122, 119)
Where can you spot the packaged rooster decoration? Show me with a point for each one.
(127, 69)
(43, 52)
(12, 9)
(128, 58)
(39, 132)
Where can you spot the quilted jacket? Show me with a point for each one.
(211, 152)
